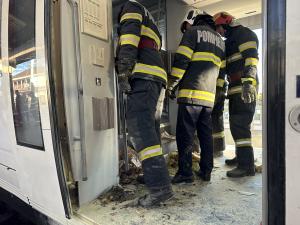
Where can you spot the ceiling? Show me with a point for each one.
(238, 8)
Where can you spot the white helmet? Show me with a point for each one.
(189, 18)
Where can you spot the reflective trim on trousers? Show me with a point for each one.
(219, 135)
(246, 142)
(150, 152)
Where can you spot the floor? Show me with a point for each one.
(223, 201)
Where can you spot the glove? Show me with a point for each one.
(124, 85)
(220, 94)
(125, 66)
(124, 69)
(171, 94)
(248, 93)
(171, 89)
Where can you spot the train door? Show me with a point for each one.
(292, 110)
(85, 47)
(282, 113)
(28, 138)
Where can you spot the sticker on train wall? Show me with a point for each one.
(94, 18)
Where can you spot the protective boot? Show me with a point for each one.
(155, 197)
(240, 172)
(231, 162)
(203, 176)
(178, 178)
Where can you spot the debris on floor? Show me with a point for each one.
(219, 202)
(117, 194)
(258, 169)
(135, 168)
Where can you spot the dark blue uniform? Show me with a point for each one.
(140, 42)
(196, 68)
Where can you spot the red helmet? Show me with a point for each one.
(223, 18)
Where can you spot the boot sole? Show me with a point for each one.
(184, 181)
(158, 203)
(244, 175)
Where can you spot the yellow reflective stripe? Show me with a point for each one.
(234, 57)
(133, 16)
(186, 51)
(207, 56)
(223, 64)
(152, 70)
(196, 94)
(246, 142)
(235, 90)
(220, 82)
(251, 62)
(247, 45)
(219, 135)
(150, 152)
(253, 81)
(176, 72)
(129, 39)
(148, 32)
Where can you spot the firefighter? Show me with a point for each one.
(140, 69)
(241, 67)
(195, 70)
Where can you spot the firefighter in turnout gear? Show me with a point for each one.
(195, 70)
(139, 62)
(241, 67)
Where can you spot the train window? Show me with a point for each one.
(23, 75)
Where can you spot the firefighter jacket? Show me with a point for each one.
(197, 64)
(241, 58)
(140, 41)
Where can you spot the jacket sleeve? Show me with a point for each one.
(222, 73)
(130, 22)
(183, 56)
(248, 47)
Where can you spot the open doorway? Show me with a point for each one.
(223, 200)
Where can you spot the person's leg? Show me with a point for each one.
(185, 130)
(218, 128)
(240, 123)
(141, 110)
(204, 131)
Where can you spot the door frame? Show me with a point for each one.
(51, 53)
(274, 205)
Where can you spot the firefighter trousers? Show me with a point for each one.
(144, 109)
(218, 126)
(240, 119)
(192, 118)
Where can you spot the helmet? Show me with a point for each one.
(189, 19)
(204, 18)
(223, 18)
